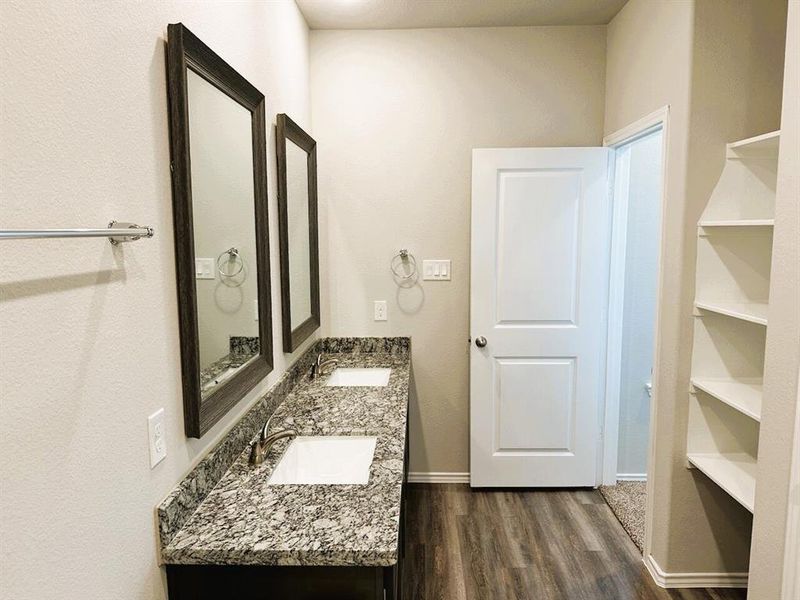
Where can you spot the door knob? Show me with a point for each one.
(480, 341)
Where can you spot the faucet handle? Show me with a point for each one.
(263, 435)
(256, 453)
(315, 367)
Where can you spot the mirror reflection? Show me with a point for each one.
(223, 219)
(298, 229)
(218, 161)
(297, 201)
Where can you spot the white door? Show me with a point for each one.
(539, 279)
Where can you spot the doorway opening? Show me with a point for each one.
(633, 295)
(550, 325)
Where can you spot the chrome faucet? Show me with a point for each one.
(260, 448)
(319, 366)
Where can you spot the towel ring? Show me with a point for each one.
(233, 256)
(404, 256)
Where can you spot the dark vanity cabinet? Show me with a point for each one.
(207, 582)
(204, 582)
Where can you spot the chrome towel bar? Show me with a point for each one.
(123, 232)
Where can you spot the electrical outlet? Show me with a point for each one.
(380, 310)
(204, 268)
(157, 437)
(436, 270)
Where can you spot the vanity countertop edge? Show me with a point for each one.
(244, 521)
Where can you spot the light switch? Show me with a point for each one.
(436, 270)
(255, 309)
(204, 268)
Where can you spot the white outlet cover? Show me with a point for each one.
(157, 437)
(380, 310)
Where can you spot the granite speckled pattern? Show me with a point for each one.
(240, 345)
(240, 350)
(361, 345)
(182, 501)
(244, 521)
(217, 369)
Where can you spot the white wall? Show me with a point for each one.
(639, 308)
(396, 115)
(90, 334)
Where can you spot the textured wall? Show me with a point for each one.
(781, 398)
(90, 334)
(396, 115)
(679, 53)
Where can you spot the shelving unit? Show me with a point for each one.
(765, 144)
(734, 473)
(734, 256)
(754, 312)
(743, 394)
(745, 191)
(738, 223)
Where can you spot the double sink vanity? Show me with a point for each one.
(322, 515)
(304, 496)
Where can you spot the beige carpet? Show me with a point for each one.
(627, 500)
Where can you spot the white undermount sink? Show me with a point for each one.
(334, 459)
(359, 377)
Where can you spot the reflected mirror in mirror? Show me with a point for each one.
(219, 189)
(297, 202)
(224, 232)
(298, 230)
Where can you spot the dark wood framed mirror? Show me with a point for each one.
(219, 198)
(299, 233)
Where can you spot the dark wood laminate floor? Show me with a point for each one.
(518, 545)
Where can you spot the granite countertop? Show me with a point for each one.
(219, 367)
(241, 350)
(243, 521)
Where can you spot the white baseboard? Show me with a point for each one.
(693, 580)
(631, 476)
(440, 477)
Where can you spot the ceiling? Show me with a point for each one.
(413, 14)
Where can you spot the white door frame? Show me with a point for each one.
(658, 119)
(611, 404)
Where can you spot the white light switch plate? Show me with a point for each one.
(157, 437)
(380, 310)
(436, 270)
(204, 268)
